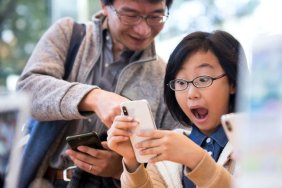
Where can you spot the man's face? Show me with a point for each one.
(135, 35)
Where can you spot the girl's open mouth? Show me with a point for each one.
(200, 113)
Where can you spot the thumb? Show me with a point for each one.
(105, 145)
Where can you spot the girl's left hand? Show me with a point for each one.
(171, 146)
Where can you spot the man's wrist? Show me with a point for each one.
(88, 101)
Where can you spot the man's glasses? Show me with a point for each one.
(199, 82)
(136, 19)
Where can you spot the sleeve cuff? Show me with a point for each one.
(204, 171)
(70, 102)
(136, 178)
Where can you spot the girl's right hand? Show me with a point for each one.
(119, 138)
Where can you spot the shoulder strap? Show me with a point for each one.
(78, 33)
(50, 128)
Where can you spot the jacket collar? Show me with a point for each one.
(225, 154)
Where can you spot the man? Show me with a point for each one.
(116, 62)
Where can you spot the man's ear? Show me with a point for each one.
(104, 8)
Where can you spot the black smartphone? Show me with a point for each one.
(90, 139)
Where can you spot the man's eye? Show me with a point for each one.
(131, 16)
(154, 17)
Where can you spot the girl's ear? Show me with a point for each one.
(232, 89)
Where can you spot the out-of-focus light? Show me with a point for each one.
(11, 82)
(8, 36)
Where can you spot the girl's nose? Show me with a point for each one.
(193, 92)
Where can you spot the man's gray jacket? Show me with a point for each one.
(57, 99)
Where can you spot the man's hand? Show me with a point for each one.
(105, 104)
(105, 163)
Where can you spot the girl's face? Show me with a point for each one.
(204, 106)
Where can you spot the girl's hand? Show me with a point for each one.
(119, 141)
(171, 146)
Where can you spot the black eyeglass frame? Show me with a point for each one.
(171, 83)
(139, 18)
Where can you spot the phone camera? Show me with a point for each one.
(124, 110)
(228, 126)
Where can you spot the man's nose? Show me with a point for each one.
(142, 29)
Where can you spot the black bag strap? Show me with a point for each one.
(50, 128)
(78, 33)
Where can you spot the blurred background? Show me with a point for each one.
(22, 22)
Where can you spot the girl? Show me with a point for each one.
(200, 86)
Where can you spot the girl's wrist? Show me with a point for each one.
(194, 158)
(131, 165)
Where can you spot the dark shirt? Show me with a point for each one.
(104, 74)
(213, 144)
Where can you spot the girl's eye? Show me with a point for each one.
(180, 82)
(203, 79)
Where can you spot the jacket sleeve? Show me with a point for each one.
(209, 174)
(51, 97)
(142, 178)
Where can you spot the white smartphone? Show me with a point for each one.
(231, 124)
(141, 112)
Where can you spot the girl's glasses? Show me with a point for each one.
(198, 82)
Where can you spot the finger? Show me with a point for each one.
(73, 153)
(151, 151)
(70, 153)
(151, 133)
(127, 124)
(84, 166)
(109, 120)
(77, 160)
(116, 111)
(151, 147)
(96, 153)
(113, 141)
(149, 143)
(118, 132)
(157, 158)
(83, 156)
(122, 118)
(105, 145)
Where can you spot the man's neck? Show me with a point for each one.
(117, 50)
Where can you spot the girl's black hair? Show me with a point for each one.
(167, 2)
(223, 45)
